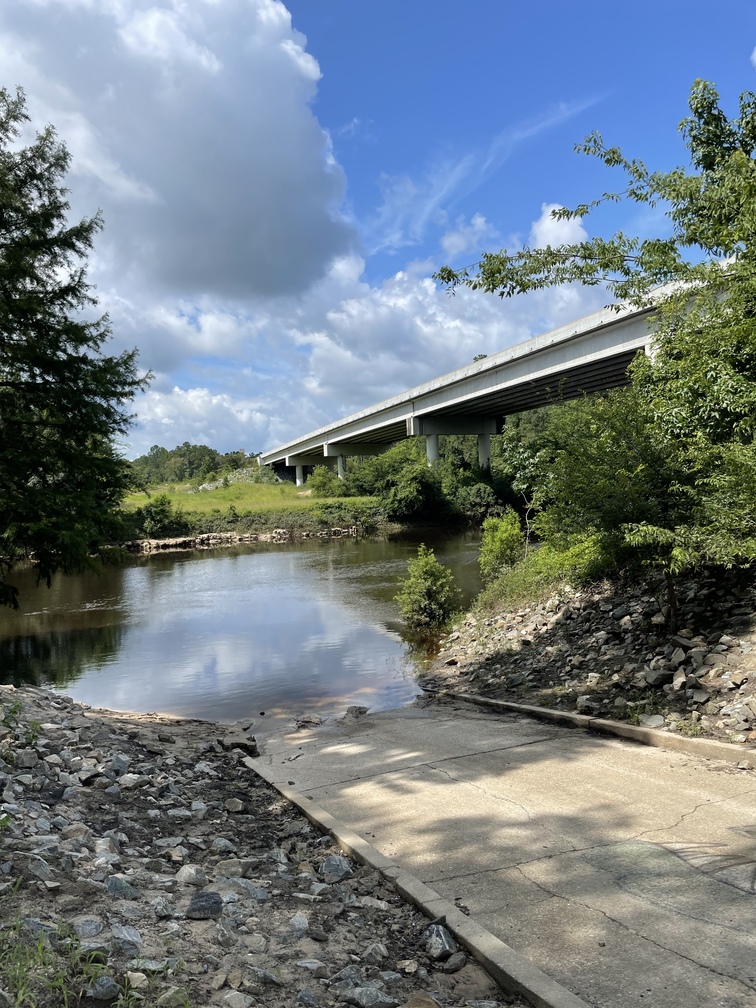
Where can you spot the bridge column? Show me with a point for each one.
(300, 475)
(431, 448)
(484, 451)
(341, 466)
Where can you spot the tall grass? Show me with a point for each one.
(258, 497)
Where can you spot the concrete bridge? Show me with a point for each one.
(591, 354)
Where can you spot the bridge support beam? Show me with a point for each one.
(431, 449)
(484, 451)
(300, 475)
(338, 448)
(452, 425)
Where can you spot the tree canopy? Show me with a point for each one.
(63, 401)
(668, 466)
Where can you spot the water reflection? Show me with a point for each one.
(228, 633)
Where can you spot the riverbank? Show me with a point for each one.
(145, 862)
(214, 540)
(605, 651)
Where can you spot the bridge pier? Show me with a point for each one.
(300, 475)
(341, 466)
(484, 451)
(431, 449)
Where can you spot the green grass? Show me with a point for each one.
(543, 570)
(258, 497)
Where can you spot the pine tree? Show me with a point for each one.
(62, 399)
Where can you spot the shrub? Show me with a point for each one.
(477, 501)
(578, 560)
(428, 596)
(324, 483)
(502, 545)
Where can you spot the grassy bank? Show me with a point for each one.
(260, 497)
(244, 507)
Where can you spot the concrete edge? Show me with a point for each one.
(511, 971)
(705, 748)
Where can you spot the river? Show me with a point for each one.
(252, 631)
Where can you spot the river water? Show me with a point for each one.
(231, 633)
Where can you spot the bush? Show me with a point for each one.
(477, 501)
(324, 483)
(578, 560)
(428, 596)
(159, 519)
(502, 545)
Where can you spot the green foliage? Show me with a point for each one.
(428, 596)
(667, 470)
(44, 969)
(187, 462)
(502, 544)
(324, 483)
(161, 519)
(577, 559)
(62, 400)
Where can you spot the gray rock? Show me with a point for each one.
(121, 888)
(657, 677)
(236, 999)
(335, 868)
(104, 988)
(369, 997)
(87, 927)
(191, 874)
(455, 962)
(26, 759)
(266, 977)
(437, 942)
(375, 953)
(304, 997)
(318, 969)
(350, 974)
(257, 893)
(205, 906)
(129, 939)
(651, 720)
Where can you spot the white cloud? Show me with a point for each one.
(468, 237)
(226, 258)
(343, 346)
(550, 230)
(191, 127)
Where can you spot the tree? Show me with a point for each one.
(62, 400)
(696, 397)
(427, 597)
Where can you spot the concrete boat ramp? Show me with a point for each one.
(624, 873)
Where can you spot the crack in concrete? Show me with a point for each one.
(685, 815)
(626, 927)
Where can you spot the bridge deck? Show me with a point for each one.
(591, 354)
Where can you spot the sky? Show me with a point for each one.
(279, 183)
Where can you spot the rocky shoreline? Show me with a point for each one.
(212, 540)
(606, 651)
(143, 862)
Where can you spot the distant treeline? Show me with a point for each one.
(186, 463)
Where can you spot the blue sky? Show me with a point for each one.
(279, 183)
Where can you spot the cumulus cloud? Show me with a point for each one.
(468, 237)
(191, 127)
(550, 230)
(345, 345)
(226, 257)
